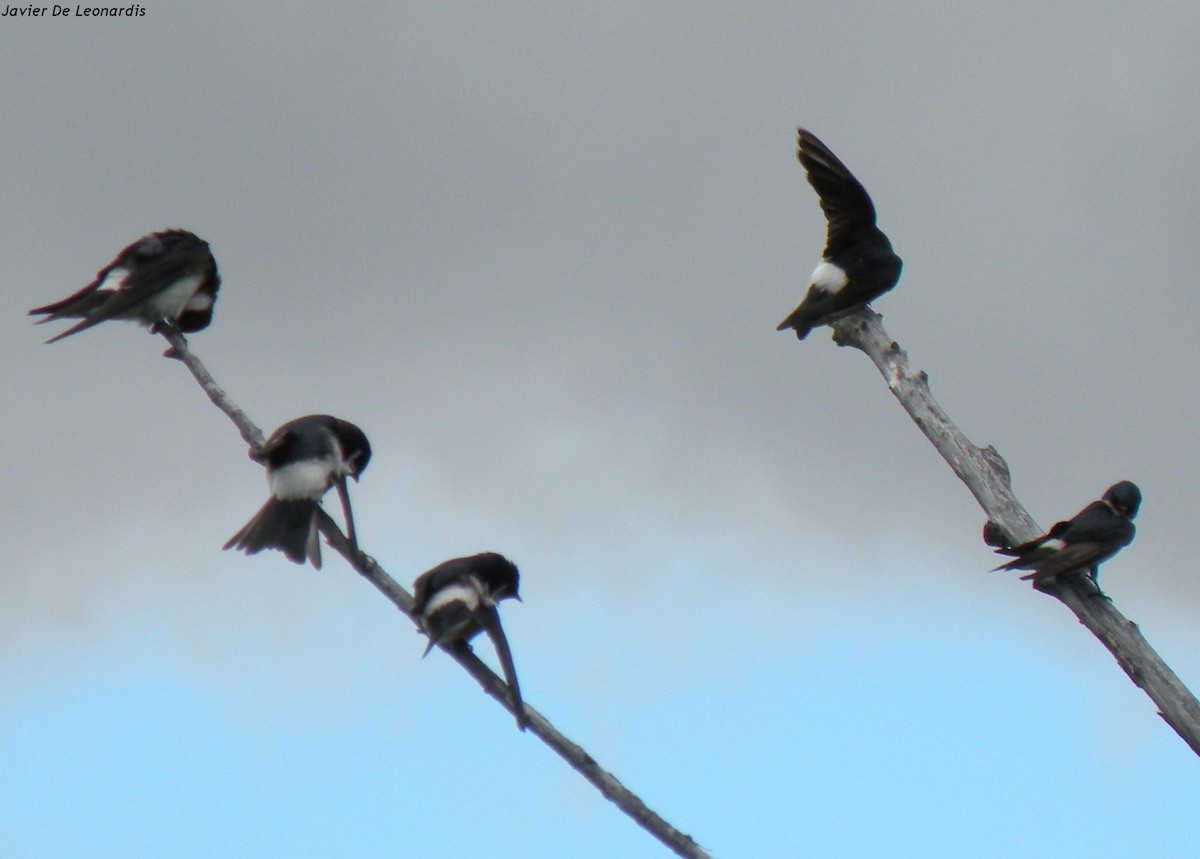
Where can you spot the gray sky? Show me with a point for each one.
(538, 254)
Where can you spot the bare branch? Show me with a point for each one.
(583, 763)
(180, 351)
(985, 473)
(604, 781)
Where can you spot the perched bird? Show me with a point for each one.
(456, 600)
(858, 265)
(167, 278)
(1096, 533)
(304, 458)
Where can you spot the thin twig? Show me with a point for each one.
(180, 351)
(986, 474)
(608, 785)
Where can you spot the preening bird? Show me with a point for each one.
(456, 600)
(1093, 536)
(304, 458)
(858, 264)
(166, 278)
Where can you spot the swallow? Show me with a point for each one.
(858, 264)
(304, 458)
(456, 600)
(1096, 533)
(166, 278)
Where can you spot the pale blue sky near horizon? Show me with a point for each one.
(537, 253)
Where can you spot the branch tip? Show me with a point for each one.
(986, 474)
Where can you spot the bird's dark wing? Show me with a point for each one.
(1026, 548)
(489, 619)
(1094, 522)
(309, 437)
(1028, 559)
(154, 264)
(84, 301)
(1088, 543)
(276, 448)
(1077, 556)
(154, 268)
(1098, 523)
(76, 304)
(847, 206)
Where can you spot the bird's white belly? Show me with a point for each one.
(169, 303)
(297, 480)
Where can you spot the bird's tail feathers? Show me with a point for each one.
(87, 323)
(1011, 565)
(73, 307)
(798, 322)
(287, 525)
(430, 646)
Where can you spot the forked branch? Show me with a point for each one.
(986, 474)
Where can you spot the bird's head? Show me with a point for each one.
(356, 450)
(499, 575)
(1124, 498)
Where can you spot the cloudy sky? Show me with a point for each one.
(537, 252)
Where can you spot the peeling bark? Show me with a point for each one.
(986, 475)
